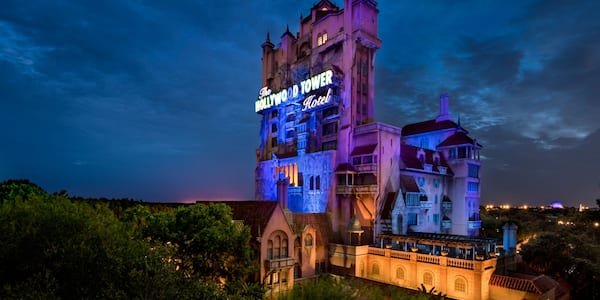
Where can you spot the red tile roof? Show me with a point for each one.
(409, 184)
(427, 126)
(255, 214)
(363, 150)
(533, 284)
(320, 222)
(408, 154)
(458, 138)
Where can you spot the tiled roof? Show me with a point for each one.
(363, 150)
(409, 184)
(427, 126)
(533, 284)
(318, 221)
(255, 214)
(408, 154)
(458, 138)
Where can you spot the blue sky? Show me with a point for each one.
(153, 100)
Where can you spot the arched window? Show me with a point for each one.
(308, 240)
(400, 273)
(284, 248)
(270, 249)
(460, 285)
(375, 269)
(427, 278)
(276, 246)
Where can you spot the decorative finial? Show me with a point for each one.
(268, 38)
(287, 28)
(458, 120)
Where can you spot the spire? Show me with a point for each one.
(268, 43)
(458, 121)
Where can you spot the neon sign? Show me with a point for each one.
(267, 99)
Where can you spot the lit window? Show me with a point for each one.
(324, 37)
(427, 278)
(460, 285)
(308, 240)
(319, 40)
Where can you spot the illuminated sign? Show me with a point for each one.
(267, 99)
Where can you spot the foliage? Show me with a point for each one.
(331, 287)
(57, 248)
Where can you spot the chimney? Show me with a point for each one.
(282, 193)
(444, 114)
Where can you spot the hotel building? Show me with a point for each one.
(400, 204)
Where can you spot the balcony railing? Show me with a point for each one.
(279, 263)
(426, 204)
(446, 205)
(356, 189)
(366, 168)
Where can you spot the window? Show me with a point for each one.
(400, 273)
(462, 152)
(270, 249)
(330, 128)
(318, 183)
(274, 113)
(375, 269)
(367, 159)
(290, 134)
(312, 183)
(321, 38)
(473, 187)
(274, 127)
(412, 219)
(274, 141)
(436, 218)
(460, 285)
(331, 111)
(284, 248)
(356, 160)
(473, 171)
(452, 153)
(308, 240)
(332, 145)
(324, 37)
(427, 278)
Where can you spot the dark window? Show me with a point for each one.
(473, 171)
(273, 127)
(330, 111)
(330, 128)
(312, 183)
(274, 113)
(462, 152)
(356, 160)
(332, 145)
(318, 183)
(274, 141)
(290, 134)
(412, 219)
(367, 159)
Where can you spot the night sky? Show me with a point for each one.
(154, 100)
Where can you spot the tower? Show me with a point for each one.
(317, 87)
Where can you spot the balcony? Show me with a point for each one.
(279, 263)
(473, 224)
(356, 189)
